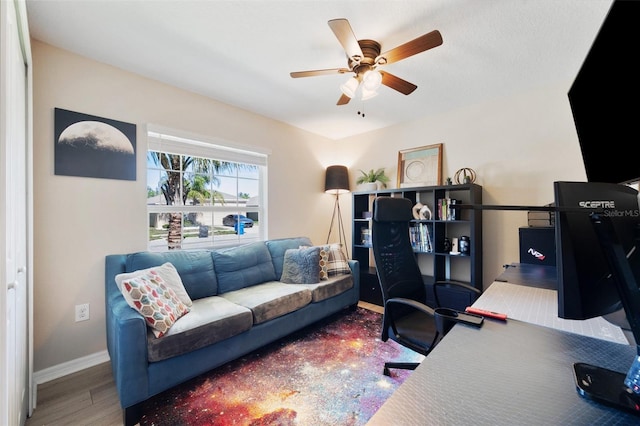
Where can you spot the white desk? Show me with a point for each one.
(540, 306)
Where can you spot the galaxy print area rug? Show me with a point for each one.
(327, 374)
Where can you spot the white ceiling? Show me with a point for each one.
(241, 52)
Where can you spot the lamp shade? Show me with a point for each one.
(336, 180)
(368, 94)
(349, 88)
(371, 80)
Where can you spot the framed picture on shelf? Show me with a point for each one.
(420, 166)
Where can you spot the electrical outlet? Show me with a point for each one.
(82, 312)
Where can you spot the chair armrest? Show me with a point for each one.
(388, 322)
(388, 319)
(410, 302)
(471, 292)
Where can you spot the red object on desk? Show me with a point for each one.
(484, 313)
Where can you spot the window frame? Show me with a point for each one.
(171, 141)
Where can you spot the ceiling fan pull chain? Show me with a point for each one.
(362, 113)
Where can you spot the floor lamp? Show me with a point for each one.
(337, 182)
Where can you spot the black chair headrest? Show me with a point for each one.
(390, 209)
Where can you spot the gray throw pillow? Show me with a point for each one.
(301, 266)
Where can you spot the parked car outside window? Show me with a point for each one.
(232, 219)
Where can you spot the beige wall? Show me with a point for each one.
(518, 147)
(80, 220)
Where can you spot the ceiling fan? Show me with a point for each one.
(364, 57)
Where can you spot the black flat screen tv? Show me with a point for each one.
(604, 98)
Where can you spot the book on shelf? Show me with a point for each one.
(446, 211)
(420, 236)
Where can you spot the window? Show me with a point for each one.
(203, 193)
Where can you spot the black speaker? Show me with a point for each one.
(538, 245)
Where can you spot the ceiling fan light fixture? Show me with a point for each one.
(350, 86)
(363, 58)
(368, 94)
(371, 80)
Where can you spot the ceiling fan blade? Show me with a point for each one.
(396, 83)
(344, 99)
(313, 73)
(410, 48)
(342, 29)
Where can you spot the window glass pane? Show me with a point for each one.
(187, 164)
(198, 230)
(171, 188)
(238, 227)
(225, 168)
(200, 191)
(201, 165)
(248, 171)
(174, 229)
(158, 231)
(228, 188)
(247, 188)
(154, 192)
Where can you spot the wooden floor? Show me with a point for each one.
(87, 397)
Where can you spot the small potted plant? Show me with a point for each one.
(369, 180)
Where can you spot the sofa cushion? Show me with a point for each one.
(210, 320)
(158, 304)
(301, 266)
(328, 288)
(278, 247)
(243, 266)
(270, 300)
(194, 267)
(168, 273)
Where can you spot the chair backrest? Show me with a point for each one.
(398, 271)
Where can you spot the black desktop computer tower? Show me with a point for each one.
(538, 245)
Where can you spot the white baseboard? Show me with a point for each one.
(69, 367)
(64, 369)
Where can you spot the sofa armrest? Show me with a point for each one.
(354, 265)
(126, 339)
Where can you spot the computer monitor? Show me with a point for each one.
(585, 284)
(603, 98)
(597, 236)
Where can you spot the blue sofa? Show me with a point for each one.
(239, 305)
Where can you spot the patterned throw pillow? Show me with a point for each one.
(324, 263)
(157, 303)
(337, 261)
(169, 275)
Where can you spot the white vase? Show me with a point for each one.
(369, 186)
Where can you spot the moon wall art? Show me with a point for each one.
(90, 146)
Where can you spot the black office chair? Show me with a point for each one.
(407, 319)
